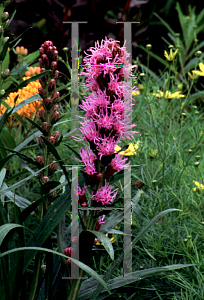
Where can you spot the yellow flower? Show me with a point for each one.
(194, 76)
(153, 152)
(171, 56)
(130, 151)
(201, 72)
(134, 93)
(99, 243)
(168, 95)
(200, 186)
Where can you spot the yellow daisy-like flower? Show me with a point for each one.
(134, 93)
(130, 151)
(168, 95)
(171, 55)
(200, 186)
(99, 243)
(194, 76)
(153, 152)
(24, 93)
(201, 72)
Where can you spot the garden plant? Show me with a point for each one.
(38, 152)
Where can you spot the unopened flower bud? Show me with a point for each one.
(189, 151)
(56, 74)
(47, 44)
(41, 51)
(197, 157)
(171, 47)
(45, 60)
(177, 35)
(142, 74)
(148, 46)
(53, 193)
(55, 117)
(56, 107)
(6, 25)
(2, 92)
(56, 96)
(52, 168)
(53, 66)
(45, 126)
(5, 73)
(5, 39)
(52, 85)
(41, 114)
(55, 55)
(41, 92)
(51, 140)
(65, 49)
(180, 87)
(84, 204)
(99, 177)
(50, 51)
(196, 164)
(45, 179)
(1, 30)
(41, 63)
(40, 160)
(48, 103)
(40, 140)
(198, 53)
(141, 87)
(195, 26)
(56, 135)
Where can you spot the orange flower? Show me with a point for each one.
(32, 71)
(24, 93)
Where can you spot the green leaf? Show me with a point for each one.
(6, 228)
(2, 176)
(4, 51)
(106, 242)
(7, 139)
(18, 70)
(114, 264)
(35, 124)
(15, 114)
(20, 183)
(18, 200)
(4, 117)
(88, 285)
(3, 152)
(31, 57)
(111, 222)
(77, 262)
(55, 153)
(71, 148)
(5, 64)
(164, 23)
(18, 148)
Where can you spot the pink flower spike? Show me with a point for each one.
(103, 195)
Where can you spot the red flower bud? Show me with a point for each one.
(5, 16)
(99, 177)
(55, 117)
(41, 63)
(48, 103)
(56, 74)
(56, 107)
(52, 168)
(45, 60)
(69, 251)
(41, 114)
(52, 85)
(41, 51)
(56, 97)
(45, 179)
(53, 66)
(40, 140)
(54, 193)
(56, 135)
(51, 140)
(45, 126)
(47, 44)
(50, 51)
(84, 204)
(41, 92)
(40, 160)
